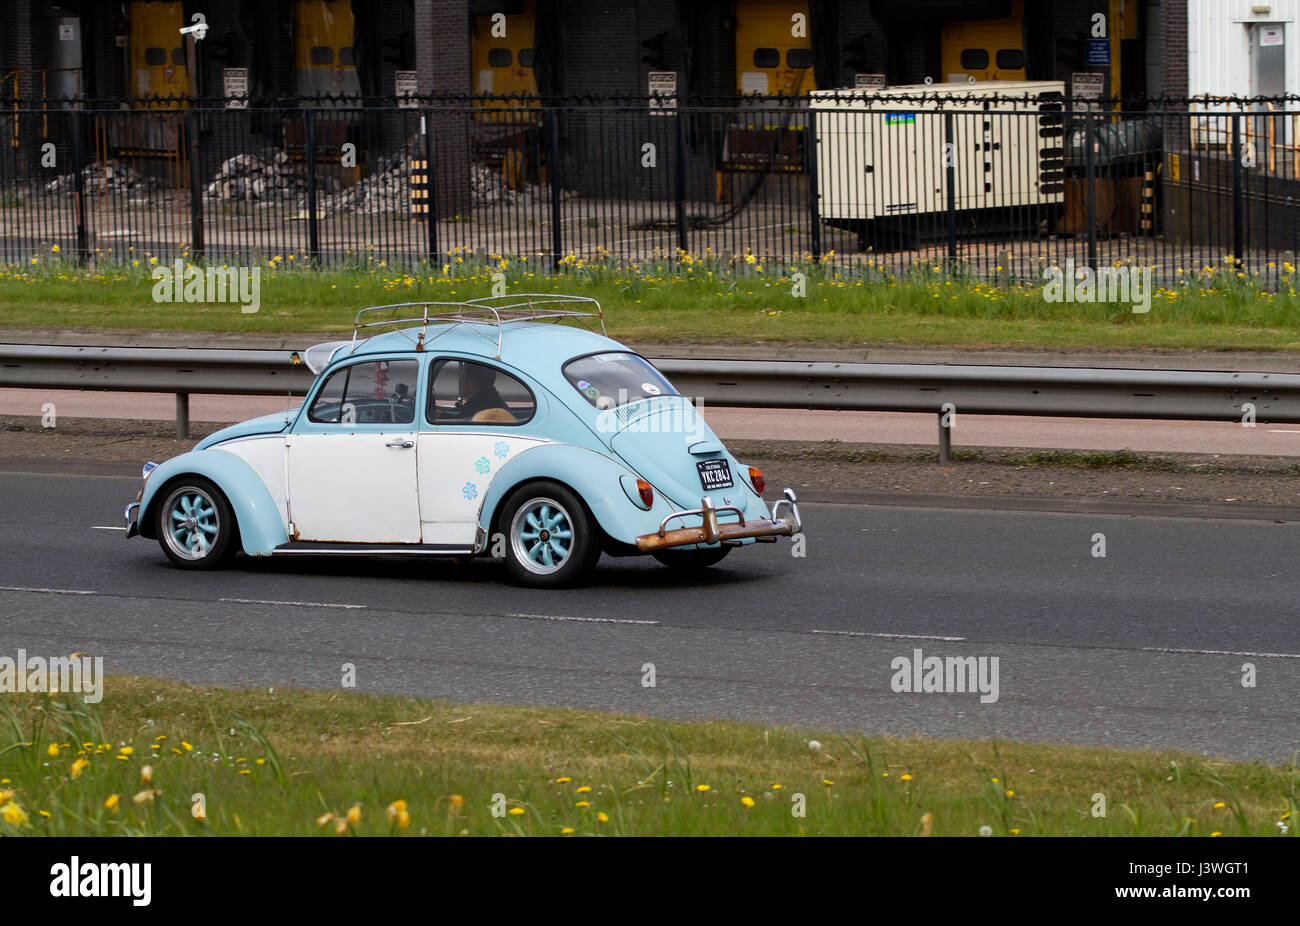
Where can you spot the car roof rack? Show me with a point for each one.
(489, 311)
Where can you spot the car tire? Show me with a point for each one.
(195, 524)
(692, 560)
(551, 539)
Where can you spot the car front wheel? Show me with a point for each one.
(551, 540)
(195, 524)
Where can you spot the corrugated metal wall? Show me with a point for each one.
(1218, 44)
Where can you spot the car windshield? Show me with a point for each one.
(615, 378)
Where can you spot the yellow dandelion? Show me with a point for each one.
(13, 814)
(110, 804)
(602, 817)
(354, 814)
(747, 801)
(567, 831)
(583, 790)
(576, 804)
(517, 811)
(563, 781)
(1219, 805)
(906, 777)
(52, 749)
(702, 788)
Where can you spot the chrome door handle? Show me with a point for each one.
(402, 444)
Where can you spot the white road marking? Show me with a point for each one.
(1282, 431)
(1218, 652)
(98, 528)
(888, 636)
(583, 620)
(47, 591)
(295, 604)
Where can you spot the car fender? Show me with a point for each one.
(594, 476)
(260, 528)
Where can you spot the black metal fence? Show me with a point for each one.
(997, 185)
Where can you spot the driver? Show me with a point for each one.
(478, 389)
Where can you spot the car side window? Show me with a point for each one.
(465, 392)
(381, 392)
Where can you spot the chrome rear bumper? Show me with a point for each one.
(711, 531)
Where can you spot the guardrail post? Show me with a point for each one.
(945, 440)
(182, 415)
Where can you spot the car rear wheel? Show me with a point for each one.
(551, 540)
(692, 560)
(195, 524)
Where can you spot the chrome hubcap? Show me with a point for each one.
(191, 525)
(541, 535)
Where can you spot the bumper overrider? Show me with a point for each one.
(764, 530)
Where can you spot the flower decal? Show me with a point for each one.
(501, 449)
(482, 465)
(470, 491)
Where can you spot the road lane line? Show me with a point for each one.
(46, 591)
(888, 636)
(1282, 431)
(98, 528)
(1217, 652)
(582, 620)
(295, 604)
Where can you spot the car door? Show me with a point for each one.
(352, 457)
(473, 415)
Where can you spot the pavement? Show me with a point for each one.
(1145, 647)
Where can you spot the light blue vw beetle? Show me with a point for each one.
(488, 427)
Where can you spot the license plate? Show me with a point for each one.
(715, 474)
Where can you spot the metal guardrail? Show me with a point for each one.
(1071, 392)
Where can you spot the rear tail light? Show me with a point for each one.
(647, 493)
(756, 477)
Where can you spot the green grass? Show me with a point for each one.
(701, 300)
(276, 761)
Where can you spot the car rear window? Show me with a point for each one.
(615, 378)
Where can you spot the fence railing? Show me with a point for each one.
(938, 389)
(1000, 191)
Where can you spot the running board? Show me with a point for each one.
(309, 548)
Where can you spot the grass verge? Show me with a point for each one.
(290, 762)
(699, 301)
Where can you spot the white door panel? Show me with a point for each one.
(354, 488)
(455, 470)
(266, 456)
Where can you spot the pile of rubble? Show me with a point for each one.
(103, 177)
(248, 176)
(385, 190)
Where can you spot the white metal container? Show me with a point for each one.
(886, 152)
